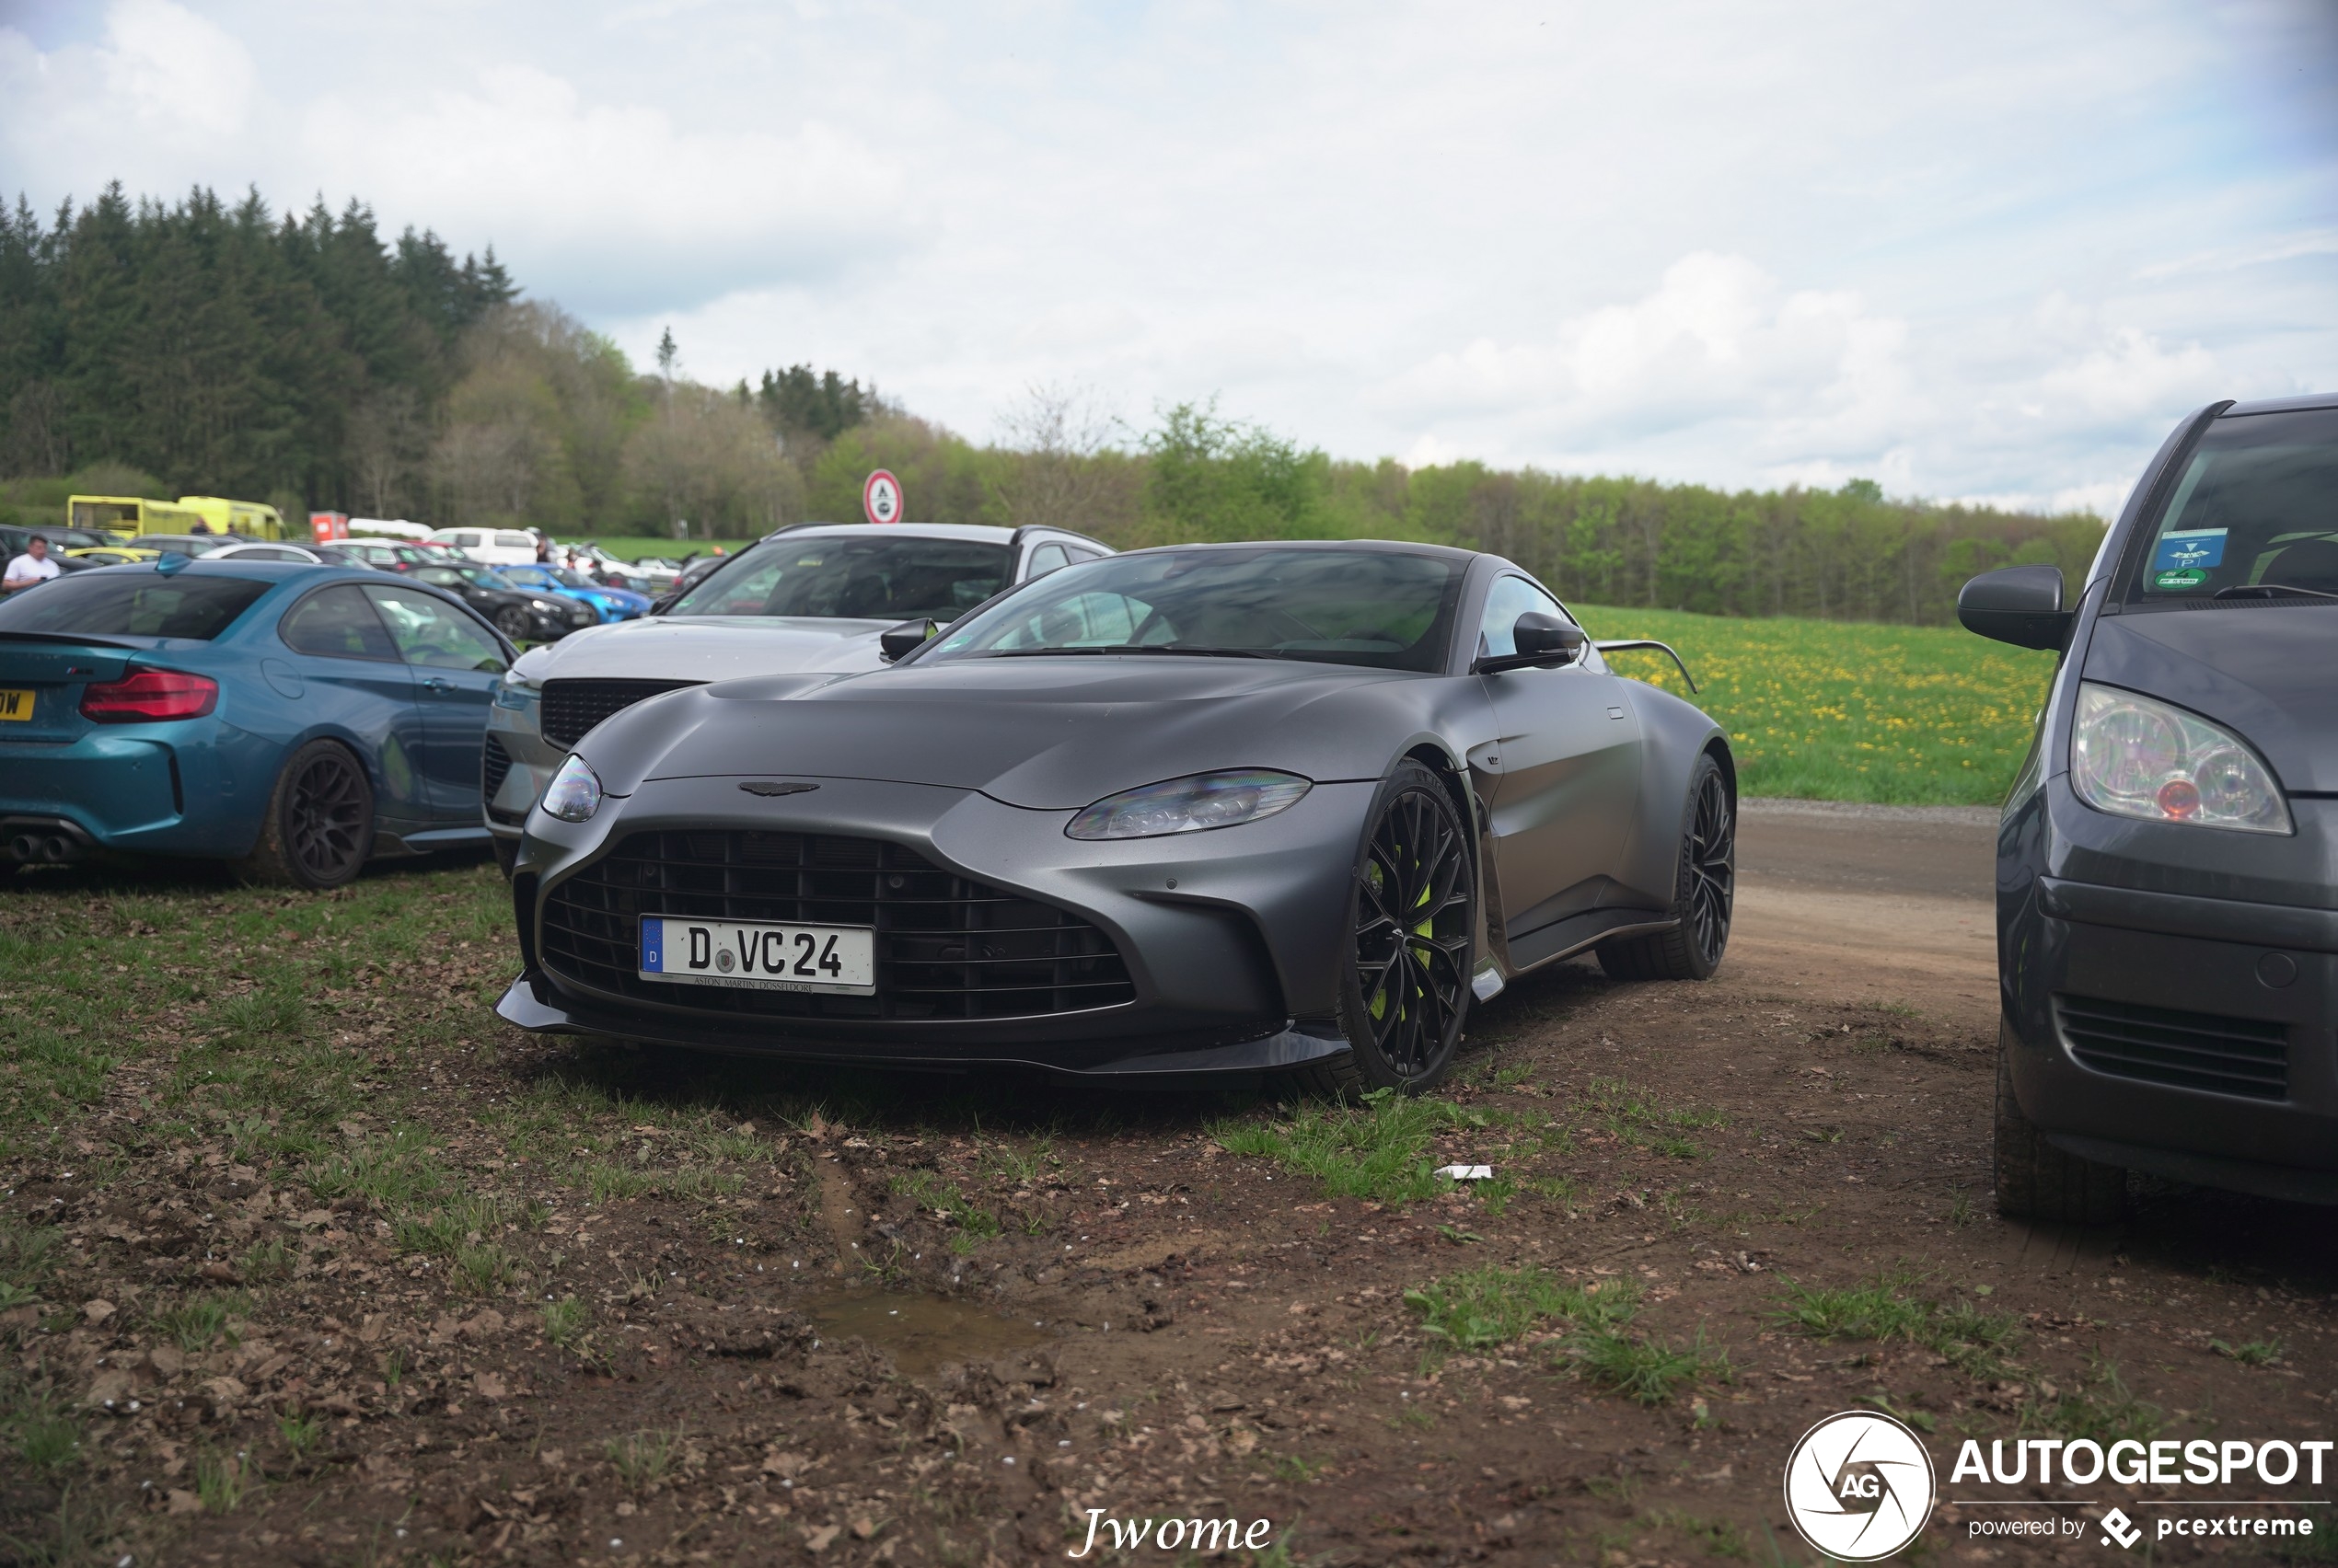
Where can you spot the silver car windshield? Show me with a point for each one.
(890, 579)
(1386, 609)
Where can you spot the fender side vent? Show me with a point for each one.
(2244, 1057)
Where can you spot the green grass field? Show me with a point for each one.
(1835, 710)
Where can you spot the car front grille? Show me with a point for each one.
(2227, 1055)
(571, 708)
(946, 947)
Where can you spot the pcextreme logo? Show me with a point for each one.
(1860, 1487)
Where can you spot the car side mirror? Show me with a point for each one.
(2021, 605)
(1543, 640)
(907, 638)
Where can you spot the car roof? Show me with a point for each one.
(1375, 546)
(2283, 405)
(985, 532)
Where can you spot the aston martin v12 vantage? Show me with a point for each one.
(1224, 808)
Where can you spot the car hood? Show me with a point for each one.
(624, 598)
(708, 648)
(1050, 734)
(2262, 670)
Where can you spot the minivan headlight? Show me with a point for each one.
(2135, 758)
(575, 793)
(1190, 805)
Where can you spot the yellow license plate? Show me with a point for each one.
(15, 704)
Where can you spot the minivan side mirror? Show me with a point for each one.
(1542, 639)
(2021, 605)
(907, 638)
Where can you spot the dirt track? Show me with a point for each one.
(1167, 1328)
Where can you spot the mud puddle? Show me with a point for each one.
(921, 1333)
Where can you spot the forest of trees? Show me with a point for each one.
(216, 349)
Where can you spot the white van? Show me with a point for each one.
(491, 547)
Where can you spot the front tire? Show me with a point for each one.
(319, 826)
(515, 623)
(2034, 1179)
(1412, 921)
(1704, 892)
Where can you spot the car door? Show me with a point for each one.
(344, 666)
(1565, 768)
(457, 664)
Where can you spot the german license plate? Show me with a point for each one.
(15, 704)
(759, 955)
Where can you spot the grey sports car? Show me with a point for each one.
(1191, 811)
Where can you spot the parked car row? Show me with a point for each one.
(957, 795)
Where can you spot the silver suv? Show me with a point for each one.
(813, 596)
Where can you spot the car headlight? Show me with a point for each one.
(2135, 758)
(575, 793)
(1190, 805)
(548, 606)
(515, 690)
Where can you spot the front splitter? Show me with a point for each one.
(1279, 1051)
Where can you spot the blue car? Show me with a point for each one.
(296, 721)
(613, 604)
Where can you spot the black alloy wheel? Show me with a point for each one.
(1704, 895)
(1413, 924)
(320, 829)
(329, 819)
(515, 623)
(1711, 853)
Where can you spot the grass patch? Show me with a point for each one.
(1633, 1116)
(1835, 710)
(566, 1322)
(1887, 1308)
(201, 1321)
(301, 1430)
(221, 1482)
(946, 1202)
(1379, 1149)
(1486, 1307)
(41, 1432)
(1718, 1538)
(2102, 1408)
(1643, 1367)
(642, 1459)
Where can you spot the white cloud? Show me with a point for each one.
(629, 208)
(1992, 251)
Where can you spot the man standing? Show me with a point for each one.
(33, 566)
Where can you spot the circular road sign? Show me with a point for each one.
(881, 498)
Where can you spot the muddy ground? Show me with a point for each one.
(306, 1259)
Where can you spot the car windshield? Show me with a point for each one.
(132, 604)
(1390, 609)
(894, 577)
(2255, 514)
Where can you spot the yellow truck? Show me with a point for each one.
(131, 515)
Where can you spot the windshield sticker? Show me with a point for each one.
(2187, 577)
(2190, 548)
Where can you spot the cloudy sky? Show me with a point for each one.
(1982, 249)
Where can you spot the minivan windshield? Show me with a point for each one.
(2255, 514)
(1390, 609)
(132, 602)
(883, 577)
